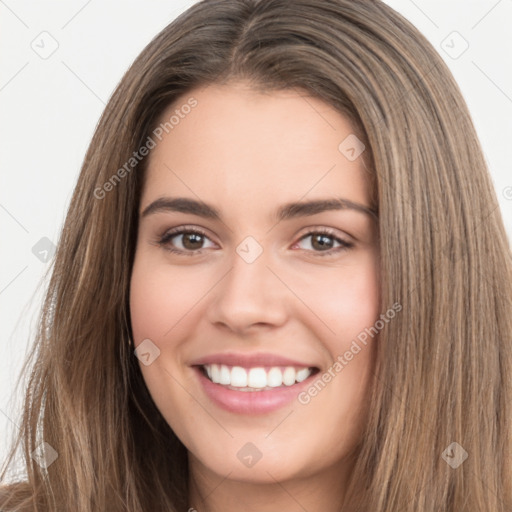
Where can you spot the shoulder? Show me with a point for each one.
(16, 497)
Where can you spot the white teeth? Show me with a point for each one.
(274, 377)
(215, 371)
(225, 375)
(255, 378)
(238, 377)
(302, 374)
(289, 376)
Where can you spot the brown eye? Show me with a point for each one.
(192, 241)
(324, 241)
(185, 241)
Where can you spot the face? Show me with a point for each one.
(241, 305)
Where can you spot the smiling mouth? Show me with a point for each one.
(238, 378)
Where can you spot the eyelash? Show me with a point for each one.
(165, 239)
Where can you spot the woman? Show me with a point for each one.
(283, 282)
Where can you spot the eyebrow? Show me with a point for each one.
(285, 212)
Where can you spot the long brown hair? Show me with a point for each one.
(444, 365)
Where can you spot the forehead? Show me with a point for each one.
(239, 145)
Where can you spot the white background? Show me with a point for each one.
(49, 109)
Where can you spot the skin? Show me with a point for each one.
(247, 153)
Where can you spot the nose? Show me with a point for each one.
(249, 297)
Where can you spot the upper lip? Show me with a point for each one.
(249, 360)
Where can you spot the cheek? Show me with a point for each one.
(160, 298)
(346, 299)
(160, 305)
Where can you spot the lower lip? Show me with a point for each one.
(250, 402)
